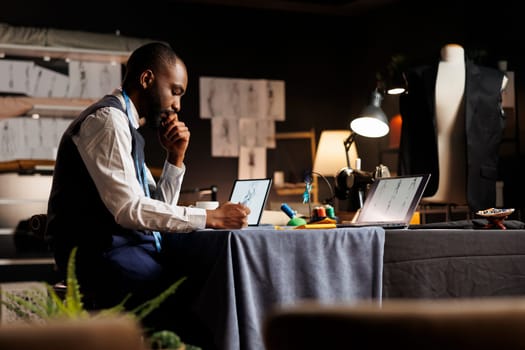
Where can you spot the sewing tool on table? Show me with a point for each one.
(292, 214)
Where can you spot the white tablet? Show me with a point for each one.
(253, 193)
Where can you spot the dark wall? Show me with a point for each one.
(328, 62)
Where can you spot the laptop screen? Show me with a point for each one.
(393, 199)
(253, 193)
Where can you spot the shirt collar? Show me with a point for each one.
(134, 113)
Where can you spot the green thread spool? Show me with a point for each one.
(330, 212)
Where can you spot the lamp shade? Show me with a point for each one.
(396, 84)
(372, 122)
(330, 156)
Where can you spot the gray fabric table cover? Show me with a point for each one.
(444, 263)
(235, 277)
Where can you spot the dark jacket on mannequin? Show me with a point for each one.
(484, 124)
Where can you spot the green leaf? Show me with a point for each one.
(165, 340)
(73, 299)
(46, 304)
(146, 308)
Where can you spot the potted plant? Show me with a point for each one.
(44, 304)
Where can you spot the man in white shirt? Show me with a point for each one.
(104, 199)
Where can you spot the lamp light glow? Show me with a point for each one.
(396, 91)
(372, 122)
(330, 156)
(396, 84)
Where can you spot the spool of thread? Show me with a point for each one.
(287, 210)
(330, 212)
(294, 220)
(318, 213)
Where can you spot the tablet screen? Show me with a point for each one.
(253, 193)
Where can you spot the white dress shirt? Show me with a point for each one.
(104, 143)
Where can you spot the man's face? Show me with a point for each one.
(165, 94)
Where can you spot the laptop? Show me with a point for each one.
(391, 201)
(253, 193)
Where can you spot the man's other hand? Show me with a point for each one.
(228, 215)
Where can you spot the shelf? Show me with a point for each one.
(292, 189)
(289, 191)
(65, 53)
(56, 107)
(46, 166)
(299, 188)
(27, 166)
(56, 111)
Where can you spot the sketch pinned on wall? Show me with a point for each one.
(266, 136)
(235, 97)
(92, 79)
(106, 80)
(85, 79)
(257, 132)
(248, 132)
(28, 138)
(206, 92)
(48, 83)
(252, 162)
(224, 137)
(32, 137)
(10, 141)
(82, 80)
(253, 98)
(243, 114)
(209, 98)
(276, 100)
(27, 77)
(50, 131)
(220, 97)
(15, 76)
(241, 98)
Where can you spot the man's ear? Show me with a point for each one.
(146, 78)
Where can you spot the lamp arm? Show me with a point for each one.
(348, 143)
(332, 193)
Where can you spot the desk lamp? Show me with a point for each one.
(393, 79)
(330, 156)
(396, 84)
(373, 123)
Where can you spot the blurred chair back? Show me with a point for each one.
(477, 324)
(100, 334)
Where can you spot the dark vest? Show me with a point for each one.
(76, 215)
(484, 124)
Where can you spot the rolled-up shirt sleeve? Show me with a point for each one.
(104, 143)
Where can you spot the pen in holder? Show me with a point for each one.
(292, 214)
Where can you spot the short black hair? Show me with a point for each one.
(153, 55)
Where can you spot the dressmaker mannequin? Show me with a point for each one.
(452, 128)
